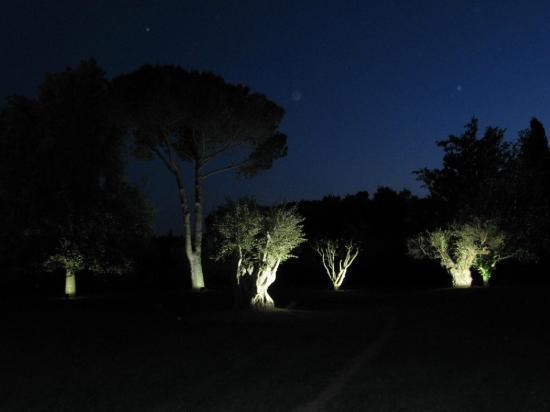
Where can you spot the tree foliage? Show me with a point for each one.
(197, 117)
(528, 204)
(65, 172)
(474, 173)
(489, 178)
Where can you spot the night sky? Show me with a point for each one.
(367, 86)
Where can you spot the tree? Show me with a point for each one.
(98, 213)
(197, 117)
(474, 175)
(22, 184)
(529, 204)
(260, 239)
(73, 257)
(337, 256)
(459, 247)
(66, 174)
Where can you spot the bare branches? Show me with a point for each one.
(336, 258)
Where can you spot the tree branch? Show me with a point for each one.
(224, 169)
(162, 157)
(216, 153)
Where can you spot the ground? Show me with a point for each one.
(439, 350)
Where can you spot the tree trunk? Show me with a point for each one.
(261, 300)
(339, 279)
(462, 278)
(242, 286)
(193, 256)
(192, 251)
(70, 283)
(197, 278)
(485, 275)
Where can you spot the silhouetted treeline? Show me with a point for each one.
(66, 204)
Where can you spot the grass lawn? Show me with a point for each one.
(449, 350)
(459, 350)
(89, 355)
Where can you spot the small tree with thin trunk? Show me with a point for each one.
(260, 239)
(179, 115)
(336, 256)
(69, 259)
(73, 258)
(457, 247)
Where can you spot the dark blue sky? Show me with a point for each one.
(368, 86)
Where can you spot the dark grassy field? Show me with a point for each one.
(453, 350)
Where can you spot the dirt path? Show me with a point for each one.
(338, 383)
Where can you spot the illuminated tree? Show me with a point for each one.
(71, 261)
(260, 239)
(72, 258)
(460, 247)
(336, 256)
(500, 247)
(197, 117)
(485, 176)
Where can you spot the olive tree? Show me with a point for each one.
(461, 247)
(336, 256)
(260, 239)
(196, 117)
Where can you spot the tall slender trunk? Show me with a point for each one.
(193, 255)
(192, 249)
(70, 283)
(197, 277)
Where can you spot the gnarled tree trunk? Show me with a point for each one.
(262, 279)
(462, 278)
